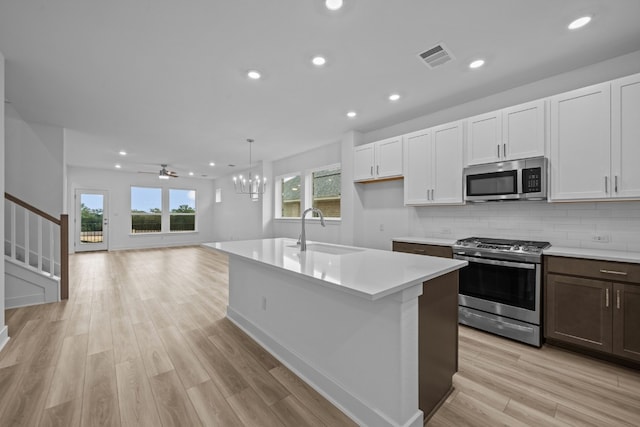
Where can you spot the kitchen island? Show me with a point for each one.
(373, 331)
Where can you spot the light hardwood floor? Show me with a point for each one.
(143, 341)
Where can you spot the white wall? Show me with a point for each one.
(34, 163)
(596, 73)
(561, 224)
(118, 185)
(4, 333)
(237, 217)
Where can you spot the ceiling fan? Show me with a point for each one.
(164, 173)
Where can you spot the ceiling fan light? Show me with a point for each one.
(163, 176)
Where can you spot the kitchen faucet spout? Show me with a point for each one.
(303, 236)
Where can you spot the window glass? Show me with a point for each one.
(326, 191)
(290, 197)
(182, 208)
(146, 210)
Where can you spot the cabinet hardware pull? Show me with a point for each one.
(371, 170)
(377, 169)
(432, 190)
(504, 150)
(498, 150)
(606, 298)
(618, 299)
(619, 273)
(616, 183)
(428, 194)
(606, 185)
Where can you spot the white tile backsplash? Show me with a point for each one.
(562, 224)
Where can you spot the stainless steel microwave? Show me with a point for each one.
(524, 179)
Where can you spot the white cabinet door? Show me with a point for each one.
(523, 131)
(580, 144)
(625, 132)
(417, 174)
(447, 163)
(484, 138)
(363, 162)
(388, 158)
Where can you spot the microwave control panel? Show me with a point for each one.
(532, 180)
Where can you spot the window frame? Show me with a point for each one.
(278, 183)
(194, 214)
(131, 213)
(165, 211)
(308, 203)
(306, 198)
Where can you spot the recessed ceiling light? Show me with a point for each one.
(118, 166)
(253, 74)
(333, 4)
(394, 97)
(579, 23)
(190, 173)
(319, 61)
(351, 114)
(477, 63)
(122, 153)
(211, 164)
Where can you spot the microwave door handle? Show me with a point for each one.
(519, 185)
(501, 263)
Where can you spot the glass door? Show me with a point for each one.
(92, 221)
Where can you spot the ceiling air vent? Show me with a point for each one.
(436, 56)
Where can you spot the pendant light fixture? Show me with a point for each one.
(253, 185)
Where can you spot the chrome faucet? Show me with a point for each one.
(303, 236)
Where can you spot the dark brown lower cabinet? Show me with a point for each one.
(626, 321)
(598, 312)
(578, 311)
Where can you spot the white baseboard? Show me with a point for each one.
(351, 405)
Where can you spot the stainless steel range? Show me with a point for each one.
(500, 289)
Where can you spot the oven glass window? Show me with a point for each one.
(495, 183)
(505, 285)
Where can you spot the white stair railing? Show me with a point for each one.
(37, 240)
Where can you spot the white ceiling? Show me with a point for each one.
(166, 80)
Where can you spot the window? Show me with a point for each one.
(146, 210)
(182, 207)
(154, 210)
(319, 188)
(326, 191)
(290, 197)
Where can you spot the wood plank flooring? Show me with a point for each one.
(143, 341)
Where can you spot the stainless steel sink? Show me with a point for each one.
(329, 249)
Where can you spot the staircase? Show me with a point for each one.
(36, 255)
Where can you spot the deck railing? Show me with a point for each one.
(38, 240)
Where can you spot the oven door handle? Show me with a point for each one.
(497, 262)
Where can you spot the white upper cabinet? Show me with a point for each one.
(433, 165)
(580, 158)
(595, 142)
(625, 136)
(512, 133)
(377, 160)
(484, 138)
(417, 174)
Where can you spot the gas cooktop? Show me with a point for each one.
(482, 244)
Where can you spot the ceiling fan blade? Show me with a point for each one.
(153, 173)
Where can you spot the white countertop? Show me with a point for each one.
(602, 254)
(426, 240)
(370, 273)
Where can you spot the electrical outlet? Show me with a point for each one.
(381, 227)
(445, 230)
(264, 303)
(601, 238)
